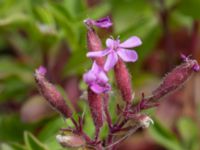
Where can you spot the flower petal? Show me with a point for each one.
(41, 70)
(133, 41)
(95, 68)
(89, 77)
(98, 53)
(110, 42)
(97, 88)
(103, 22)
(111, 61)
(102, 77)
(127, 55)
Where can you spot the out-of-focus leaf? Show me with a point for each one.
(99, 11)
(129, 13)
(35, 109)
(16, 19)
(12, 128)
(33, 143)
(10, 67)
(12, 87)
(76, 7)
(88, 127)
(73, 66)
(49, 132)
(104, 131)
(190, 8)
(17, 146)
(189, 133)
(43, 15)
(164, 136)
(51, 128)
(4, 146)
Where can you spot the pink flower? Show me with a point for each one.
(116, 49)
(41, 70)
(102, 23)
(97, 79)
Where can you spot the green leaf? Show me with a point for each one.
(51, 128)
(189, 133)
(88, 127)
(11, 67)
(17, 146)
(12, 128)
(4, 146)
(164, 136)
(190, 8)
(99, 11)
(33, 143)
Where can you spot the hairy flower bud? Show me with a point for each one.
(50, 93)
(94, 44)
(123, 81)
(175, 78)
(96, 108)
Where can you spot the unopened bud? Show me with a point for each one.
(123, 80)
(71, 141)
(101, 23)
(176, 78)
(94, 44)
(144, 120)
(96, 107)
(50, 93)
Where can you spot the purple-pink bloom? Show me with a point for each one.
(97, 79)
(41, 70)
(101, 23)
(196, 68)
(116, 49)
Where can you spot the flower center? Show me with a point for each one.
(115, 45)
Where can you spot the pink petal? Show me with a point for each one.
(89, 77)
(102, 77)
(110, 42)
(111, 61)
(103, 22)
(133, 41)
(41, 70)
(98, 53)
(127, 55)
(97, 88)
(95, 68)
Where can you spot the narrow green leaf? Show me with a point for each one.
(33, 143)
(164, 136)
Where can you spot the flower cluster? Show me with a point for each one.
(96, 77)
(114, 56)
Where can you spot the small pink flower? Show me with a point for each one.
(101, 23)
(116, 49)
(97, 79)
(41, 70)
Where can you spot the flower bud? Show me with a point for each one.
(96, 108)
(123, 80)
(144, 120)
(101, 23)
(71, 141)
(94, 44)
(50, 93)
(175, 79)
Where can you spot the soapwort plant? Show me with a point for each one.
(115, 56)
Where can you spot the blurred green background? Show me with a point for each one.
(52, 33)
